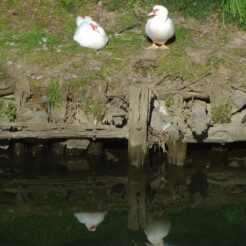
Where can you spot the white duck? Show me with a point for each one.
(156, 230)
(89, 34)
(90, 219)
(159, 27)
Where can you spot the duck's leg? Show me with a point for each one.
(153, 46)
(163, 47)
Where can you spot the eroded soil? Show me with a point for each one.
(206, 62)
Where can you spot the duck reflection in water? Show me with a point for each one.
(90, 219)
(157, 228)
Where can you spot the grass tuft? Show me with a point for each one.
(54, 98)
(221, 113)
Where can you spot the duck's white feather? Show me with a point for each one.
(159, 27)
(81, 20)
(85, 36)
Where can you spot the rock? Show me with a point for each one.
(233, 164)
(238, 100)
(57, 114)
(95, 148)
(199, 120)
(4, 118)
(238, 118)
(118, 120)
(76, 146)
(36, 149)
(28, 115)
(237, 162)
(77, 165)
(81, 116)
(58, 148)
(19, 148)
(110, 156)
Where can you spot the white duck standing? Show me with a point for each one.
(90, 219)
(89, 34)
(156, 230)
(159, 27)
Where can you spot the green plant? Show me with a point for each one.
(236, 8)
(213, 61)
(114, 5)
(91, 106)
(54, 99)
(221, 113)
(8, 108)
(76, 84)
(169, 101)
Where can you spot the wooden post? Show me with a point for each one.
(137, 124)
(138, 155)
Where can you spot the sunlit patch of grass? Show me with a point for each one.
(197, 8)
(221, 113)
(213, 62)
(8, 108)
(235, 9)
(54, 98)
(75, 85)
(182, 35)
(176, 61)
(115, 5)
(127, 44)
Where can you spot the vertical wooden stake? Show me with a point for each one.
(137, 124)
(137, 155)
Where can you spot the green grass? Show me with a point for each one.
(54, 98)
(213, 62)
(169, 101)
(176, 62)
(235, 9)
(8, 108)
(221, 113)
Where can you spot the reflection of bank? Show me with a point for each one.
(155, 227)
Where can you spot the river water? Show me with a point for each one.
(47, 199)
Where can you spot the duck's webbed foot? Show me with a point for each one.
(153, 46)
(163, 47)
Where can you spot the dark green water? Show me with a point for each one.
(40, 194)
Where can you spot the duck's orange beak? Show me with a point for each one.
(153, 12)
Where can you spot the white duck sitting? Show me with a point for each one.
(156, 230)
(89, 34)
(159, 27)
(90, 219)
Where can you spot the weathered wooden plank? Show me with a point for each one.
(59, 131)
